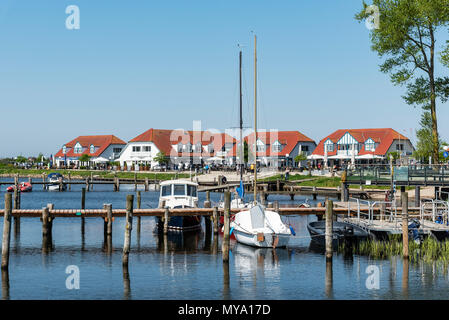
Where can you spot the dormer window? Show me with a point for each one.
(92, 149)
(370, 145)
(329, 146)
(78, 148)
(276, 146)
(64, 149)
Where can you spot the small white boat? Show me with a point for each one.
(179, 194)
(54, 182)
(260, 228)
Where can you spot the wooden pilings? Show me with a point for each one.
(46, 228)
(166, 220)
(417, 196)
(139, 202)
(207, 220)
(6, 231)
(128, 228)
(404, 202)
(17, 198)
(226, 229)
(329, 228)
(215, 219)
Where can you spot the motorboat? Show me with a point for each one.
(53, 180)
(176, 194)
(259, 227)
(23, 187)
(341, 232)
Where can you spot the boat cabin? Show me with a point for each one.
(178, 194)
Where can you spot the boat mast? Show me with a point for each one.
(242, 149)
(255, 119)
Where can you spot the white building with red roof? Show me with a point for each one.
(278, 148)
(361, 145)
(100, 149)
(179, 146)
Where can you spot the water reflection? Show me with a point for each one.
(250, 260)
(180, 241)
(5, 284)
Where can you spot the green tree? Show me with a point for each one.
(406, 38)
(161, 158)
(300, 157)
(84, 158)
(424, 144)
(21, 159)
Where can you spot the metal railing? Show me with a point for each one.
(422, 174)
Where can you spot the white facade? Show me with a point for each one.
(139, 153)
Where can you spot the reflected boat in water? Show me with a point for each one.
(249, 258)
(180, 241)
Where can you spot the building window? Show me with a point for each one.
(136, 149)
(64, 149)
(146, 148)
(117, 150)
(329, 146)
(305, 148)
(78, 149)
(400, 147)
(92, 148)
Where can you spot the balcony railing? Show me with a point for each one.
(415, 174)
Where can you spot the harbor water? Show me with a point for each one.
(189, 266)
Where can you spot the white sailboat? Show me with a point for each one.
(259, 227)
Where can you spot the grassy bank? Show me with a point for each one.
(82, 174)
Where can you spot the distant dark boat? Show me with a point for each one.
(341, 232)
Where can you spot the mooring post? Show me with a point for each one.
(139, 201)
(215, 219)
(70, 182)
(276, 206)
(6, 231)
(225, 245)
(135, 181)
(83, 206)
(128, 228)
(16, 206)
(50, 207)
(43, 181)
(417, 196)
(117, 187)
(109, 219)
(147, 184)
(404, 201)
(91, 181)
(207, 220)
(87, 183)
(166, 220)
(61, 187)
(329, 228)
(46, 231)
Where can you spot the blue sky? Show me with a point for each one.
(139, 64)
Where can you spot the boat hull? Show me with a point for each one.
(269, 239)
(183, 223)
(339, 233)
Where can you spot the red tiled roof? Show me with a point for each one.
(384, 137)
(164, 139)
(289, 140)
(100, 142)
